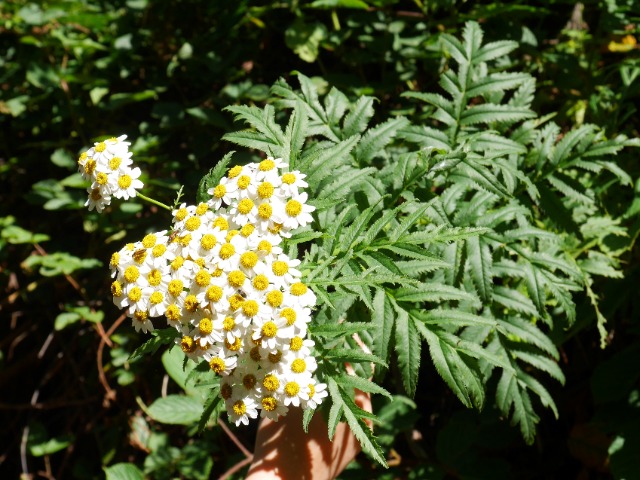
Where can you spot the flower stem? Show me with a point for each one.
(155, 202)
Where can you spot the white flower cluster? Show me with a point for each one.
(107, 165)
(222, 280)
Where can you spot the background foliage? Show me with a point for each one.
(162, 72)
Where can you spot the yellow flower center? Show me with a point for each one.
(181, 214)
(226, 251)
(265, 211)
(265, 190)
(293, 208)
(131, 274)
(193, 224)
(191, 303)
(114, 163)
(203, 278)
(83, 157)
(298, 365)
(274, 298)
(298, 289)
(124, 182)
(247, 230)
(159, 250)
(202, 209)
(269, 404)
(185, 240)
(244, 181)
(266, 165)
(208, 241)
(260, 282)
(173, 313)
(205, 326)
(236, 278)
(245, 205)
(249, 259)
(312, 390)
(269, 329)
(265, 246)
(279, 268)
(115, 259)
(229, 324)
(289, 314)
(175, 287)
(219, 191)
(217, 365)
(295, 344)
(156, 298)
(149, 240)
(90, 166)
(235, 346)
(250, 308)
(177, 262)
(235, 302)
(141, 315)
(187, 344)
(289, 178)
(214, 293)
(154, 277)
(100, 147)
(239, 408)
(116, 289)
(102, 178)
(140, 255)
(291, 389)
(271, 382)
(221, 223)
(234, 172)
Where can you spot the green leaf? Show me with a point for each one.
(352, 381)
(353, 415)
(333, 330)
(161, 337)
(211, 179)
(353, 356)
(492, 113)
(509, 394)
(480, 262)
(457, 369)
(176, 410)
(408, 348)
(123, 471)
(374, 141)
(358, 117)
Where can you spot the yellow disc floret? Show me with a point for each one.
(149, 240)
(279, 268)
(271, 382)
(293, 208)
(298, 365)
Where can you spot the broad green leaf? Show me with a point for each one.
(176, 410)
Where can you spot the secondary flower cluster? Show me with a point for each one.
(223, 281)
(107, 165)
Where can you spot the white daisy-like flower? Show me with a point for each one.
(317, 393)
(128, 183)
(296, 389)
(272, 334)
(292, 182)
(97, 199)
(273, 407)
(268, 169)
(241, 409)
(220, 362)
(297, 213)
(141, 321)
(224, 193)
